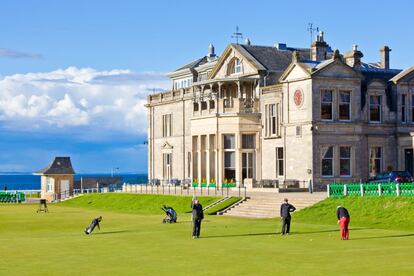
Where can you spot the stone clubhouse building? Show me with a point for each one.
(282, 115)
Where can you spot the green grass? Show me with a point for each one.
(374, 212)
(223, 205)
(132, 243)
(136, 203)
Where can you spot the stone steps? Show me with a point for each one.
(267, 205)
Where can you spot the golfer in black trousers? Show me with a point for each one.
(198, 216)
(285, 210)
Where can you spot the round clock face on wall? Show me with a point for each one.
(298, 97)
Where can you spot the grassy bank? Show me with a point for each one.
(374, 212)
(135, 203)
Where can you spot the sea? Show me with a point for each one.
(29, 181)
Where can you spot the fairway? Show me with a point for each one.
(139, 244)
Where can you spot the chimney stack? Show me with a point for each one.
(353, 58)
(211, 55)
(385, 57)
(319, 48)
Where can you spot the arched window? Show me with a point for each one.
(235, 67)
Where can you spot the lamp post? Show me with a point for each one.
(112, 171)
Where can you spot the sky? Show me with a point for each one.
(74, 75)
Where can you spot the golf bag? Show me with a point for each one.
(171, 214)
(95, 222)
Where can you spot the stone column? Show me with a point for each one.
(238, 159)
(219, 162)
(239, 90)
(199, 153)
(207, 150)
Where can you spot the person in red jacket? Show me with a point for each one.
(343, 221)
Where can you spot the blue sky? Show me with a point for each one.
(74, 74)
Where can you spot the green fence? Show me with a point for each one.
(371, 189)
(12, 197)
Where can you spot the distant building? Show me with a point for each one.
(57, 179)
(278, 114)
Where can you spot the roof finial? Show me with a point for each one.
(295, 56)
(247, 41)
(336, 54)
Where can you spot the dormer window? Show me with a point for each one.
(235, 67)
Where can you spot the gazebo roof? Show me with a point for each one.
(61, 165)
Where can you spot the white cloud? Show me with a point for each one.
(98, 101)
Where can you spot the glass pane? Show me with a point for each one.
(229, 141)
(229, 159)
(326, 111)
(327, 167)
(375, 100)
(248, 141)
(345, 97)
(344, 112)
(375, 114)
(327, 152)
(345, 167)
(281, 169)
(345, 152)
(280, 153)
(327, 96)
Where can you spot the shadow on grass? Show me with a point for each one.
(384, 237)
(278, 233)
(114, 232)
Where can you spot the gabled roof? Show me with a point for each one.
(315, 67)
(403, 74)
(61, 165)
(193, 64)
(272, 58)
(263, 58)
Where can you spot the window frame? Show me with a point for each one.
(340, 103)
(381, 159)
(404, 108)
(167, 125)
(280, 172)
(332, 161)
(322, 102)
(345, 158)
(380, 109)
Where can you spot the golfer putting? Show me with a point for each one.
(343, 220)
(197, 217)
(95, 222)
(285, 210)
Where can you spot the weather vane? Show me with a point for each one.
(237, 35)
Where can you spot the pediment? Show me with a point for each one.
(406, 76)
(249, 64)
(295, 71)
(336, 69)
(166, 146)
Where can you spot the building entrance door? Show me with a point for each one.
(248, 165)
(408, 157)
(64, 189)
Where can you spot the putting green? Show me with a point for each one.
(139, 244)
